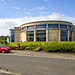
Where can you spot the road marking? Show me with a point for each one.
(9, 72)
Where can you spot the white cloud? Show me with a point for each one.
(45, 0)
(28, 13)
(6, 24)
(44, 12)
(40, 7)
(16, 7)
(4, 2)
(35, 8)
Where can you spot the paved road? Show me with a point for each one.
(27, 65)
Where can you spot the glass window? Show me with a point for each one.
(70, 35)
(63, 35)
(23, 28)
(41, 35)
(41, 31)
(69, 27)
(30, 35)
(41, 26)
(41, 38)
(30, 27)
(63, 26)
(52, 25)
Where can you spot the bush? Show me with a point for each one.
(13, 47)
(38, 49)
(27, 48)
(46, 46)
(23, 47)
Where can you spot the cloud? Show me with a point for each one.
(35, 8)
(4, 2)
(16, 7)
(40, 7)
(28, 13)
(45, 12)
(6, 24)
(45, 0)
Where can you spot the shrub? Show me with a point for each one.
(27, 48)
(38, 49)
(13, 47)
(23, 47)
(46, 46)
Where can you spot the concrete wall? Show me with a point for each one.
(17, 34)
(53, 35)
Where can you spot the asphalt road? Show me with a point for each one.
(27, 65)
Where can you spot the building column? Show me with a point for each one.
(34, 35)
(59, 35)
(25, 36)
(68, 36)
(47, 35)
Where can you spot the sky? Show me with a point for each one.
(14, 13)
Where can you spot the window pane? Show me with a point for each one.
(63, 26)
(23, 28)
(30, 27)
(41, 35)
(70, 35)
(69, 27)
(41, 26)
(30, 35)
(52, 25)
(63, 35)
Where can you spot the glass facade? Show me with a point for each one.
(63, 35)
(30, 36)
(52, 25)
(41, 35)
(69, 27)
(30, 27)
(12, 35)
(41, 26)
(63, 26)
(24, 28)
(70, 35)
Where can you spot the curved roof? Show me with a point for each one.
(48, 21)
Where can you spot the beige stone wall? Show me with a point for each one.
(73, 33)
(47, 35)
(17, 34)
(53, 35)
(23, 37)
(34, 35)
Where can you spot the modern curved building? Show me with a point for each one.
(45, 31)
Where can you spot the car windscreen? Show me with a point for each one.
(2, 46)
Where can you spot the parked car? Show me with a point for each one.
(4, 49)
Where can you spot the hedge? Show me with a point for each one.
(46, 46)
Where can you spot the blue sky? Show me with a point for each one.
(16, 12)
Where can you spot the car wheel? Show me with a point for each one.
(2, 51)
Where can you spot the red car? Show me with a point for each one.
(4, 49)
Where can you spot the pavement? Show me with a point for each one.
(42, 54)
